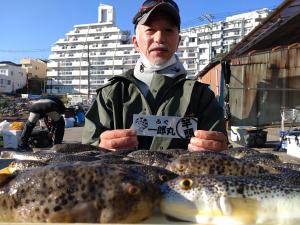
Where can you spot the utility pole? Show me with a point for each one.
(209, 18)
(27, 83)
(88, 67)
(115, 50)
(82, 56)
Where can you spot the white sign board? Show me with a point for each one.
(164, 126)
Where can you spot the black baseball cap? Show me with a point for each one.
(150, 6)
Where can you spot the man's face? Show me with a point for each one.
(158, 39)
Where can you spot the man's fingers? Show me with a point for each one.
(208, 144)
(112, 134)
(210, 135)
(194, 148)
(119, 143)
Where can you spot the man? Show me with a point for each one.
(156, 86)
(51, 108)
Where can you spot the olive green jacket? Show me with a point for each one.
(117, 101)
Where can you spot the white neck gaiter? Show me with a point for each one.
(144, 71)
(152, 67)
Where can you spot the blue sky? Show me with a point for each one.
(30, 27)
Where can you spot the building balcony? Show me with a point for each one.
(204, 46)
(78, 64)
(232, 28)
(52, 64)
(62, 41)
(52, 82)
(52, 73)
(189, 55)
(80, 82)
(79, 73)
(113, 62)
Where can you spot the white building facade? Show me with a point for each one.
(92, 53)
(12, 77)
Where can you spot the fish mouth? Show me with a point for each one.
(177, 210)
(144, 212)
(6, 170)
(242, 211)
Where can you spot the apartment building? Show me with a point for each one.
(35, 68)
(202, 44)
(92, 53)
(12, 77)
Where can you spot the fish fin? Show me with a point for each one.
(244, 209)
(82, 212)
(225, 206)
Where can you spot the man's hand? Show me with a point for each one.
(118, 139)
(208, 140)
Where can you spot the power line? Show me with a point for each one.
(23, 50)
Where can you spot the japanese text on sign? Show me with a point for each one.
(164, 126)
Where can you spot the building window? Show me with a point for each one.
(3, 72)
(192, 39)
(103, 15)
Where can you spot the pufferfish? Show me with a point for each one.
(230, 200)
(77, 193)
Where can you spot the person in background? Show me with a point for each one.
(156, 86)
(79, 115)
(51, 108)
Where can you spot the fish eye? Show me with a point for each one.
(13, 164)
(180, 167)
(163, 177)
(186, 183)
(133, 189)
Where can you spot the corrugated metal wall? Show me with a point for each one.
(262, 84)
